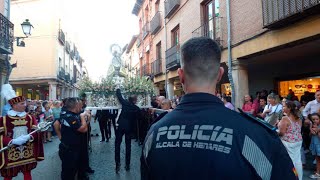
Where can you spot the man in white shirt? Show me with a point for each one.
(312, 106)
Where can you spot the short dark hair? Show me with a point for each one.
(132, 99)
(71, 103)
(200, 59)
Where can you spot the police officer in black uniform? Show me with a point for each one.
(72, 127)
(129, 114)
(201, 139)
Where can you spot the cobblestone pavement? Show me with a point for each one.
(101, 160)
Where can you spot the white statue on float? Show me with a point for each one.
(108, 100)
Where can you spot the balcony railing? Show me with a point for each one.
(211, 29)
(62, 73)
(155, 23)
(145, 30)
(62, 37)
(67, 78)
(72, 54)
(173, 57)
(67, 47)
(170, 6)
(156, 67)
(138, 42)
(280, 13)
(145, 70)
(6, 35)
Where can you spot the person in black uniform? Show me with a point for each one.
(202, 139)
(113, 116)
(72, 127)
(128, 115)
(103, 118)
(85, 138)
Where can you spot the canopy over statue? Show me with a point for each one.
(102, 94)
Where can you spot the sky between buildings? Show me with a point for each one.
(93, 25)
(101, 23)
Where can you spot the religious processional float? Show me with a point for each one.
(102, 94)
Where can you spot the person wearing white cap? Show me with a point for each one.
(15, 127)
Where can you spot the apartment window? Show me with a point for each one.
(175, 35)
(156, 7)
(158, 51)
(146, 14)
(60, 61)
(210, 18)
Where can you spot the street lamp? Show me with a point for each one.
(26, 28)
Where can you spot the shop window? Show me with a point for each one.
(311, 84)
(19, 91)
(29, 95)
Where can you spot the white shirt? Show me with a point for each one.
(276, 108)
(15, 113)
(311, 107)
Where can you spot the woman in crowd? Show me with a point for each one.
(315, 142)
(227, 102)
(48, 117)
(273, 110)
(290, 133)
(56, 110)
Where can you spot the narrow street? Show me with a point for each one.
(101, 160)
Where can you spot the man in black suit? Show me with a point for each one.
(129, 114)
(113, 115)
(103, 118)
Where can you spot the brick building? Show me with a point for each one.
(274, 44)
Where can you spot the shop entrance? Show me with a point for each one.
(299, 86)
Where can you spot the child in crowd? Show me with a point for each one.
(315, 142)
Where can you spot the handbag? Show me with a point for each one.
(273, 117)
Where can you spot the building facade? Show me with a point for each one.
(273, 44)
(6, 42)
(49, 66)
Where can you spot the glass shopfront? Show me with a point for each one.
(311, 84)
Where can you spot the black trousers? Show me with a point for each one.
(109, 127)
(70, 158)
(103, 125)
(119, 135)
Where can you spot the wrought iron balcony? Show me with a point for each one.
(138, 42)
(145, 70)
(170, 6)
(211, 29)
(145, 30)
(67, 47)
(67, 78)
(62, 73)
(62, 37)
(156, 67)
(72, 54)
(173, 57)
(277, 14)
(155, 23)
(6, 35)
